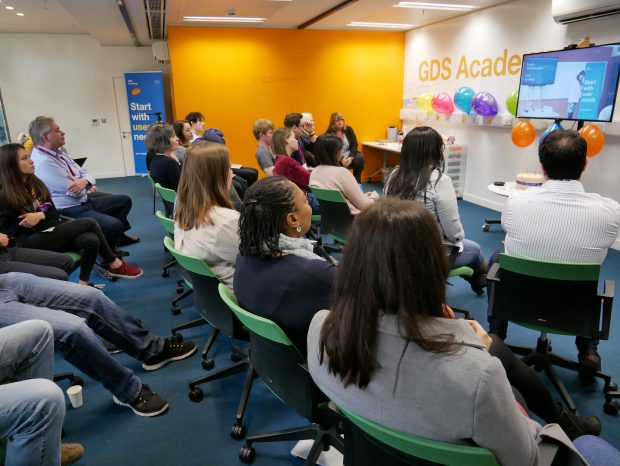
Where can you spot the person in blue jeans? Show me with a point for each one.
(78, 314)
(32, 407)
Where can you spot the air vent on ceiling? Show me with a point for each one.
(156, 18)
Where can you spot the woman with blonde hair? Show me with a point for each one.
(205, 224)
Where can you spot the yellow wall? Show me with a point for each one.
(235, 76)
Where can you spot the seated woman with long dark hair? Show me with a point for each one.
(420, 177)
(184, 132)
(205, 223)
(277, 275)
(30, 219)
(392, 351)
(329, 173)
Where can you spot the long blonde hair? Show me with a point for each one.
(203, 184)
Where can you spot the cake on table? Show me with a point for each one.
(528, 180)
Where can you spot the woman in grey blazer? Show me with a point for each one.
(392, 351)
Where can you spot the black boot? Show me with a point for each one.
(576, 426)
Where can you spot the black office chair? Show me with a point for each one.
(555, 298)
(214, 311)
(283, 370)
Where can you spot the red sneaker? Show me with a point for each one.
(125, 271)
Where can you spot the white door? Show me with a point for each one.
(124, 125)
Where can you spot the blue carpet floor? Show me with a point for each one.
(199, 433)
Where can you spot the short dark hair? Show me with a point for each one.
(265, 207)
(193, 117)
(292, 119)
(563, 155)
(327, 148)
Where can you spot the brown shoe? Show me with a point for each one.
(70, 453)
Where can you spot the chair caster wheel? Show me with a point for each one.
(486, 227)
(237, 432)
(235, 357)
(196, 395)
(76, 380)
(177, 338)
(180, 289)
(610, 387)
(208, 364)
(611, 407)
(247, 454)
(165, 273)
(176, 310)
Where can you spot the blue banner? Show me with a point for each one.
(145, 96)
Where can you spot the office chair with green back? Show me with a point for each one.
(168, 198)
(283, 370)
(214, 311)
(368, 444)
(556, 298)
(336, 216)
(148, 175)
(168, 225)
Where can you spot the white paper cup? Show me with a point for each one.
(75, 395)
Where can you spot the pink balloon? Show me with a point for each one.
(442, 103)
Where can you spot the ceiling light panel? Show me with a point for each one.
(380, 25)
(223, 19)
(436, 6)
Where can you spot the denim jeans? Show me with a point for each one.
(77, 313)
(110, 211)
(597, 451)
(32, 407)
(471, 256)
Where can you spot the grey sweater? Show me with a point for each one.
(457, 397)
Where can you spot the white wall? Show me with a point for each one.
(521, 26)
(69, 77)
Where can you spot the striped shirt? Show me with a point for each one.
(560, 222)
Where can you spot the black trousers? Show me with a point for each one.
(37, 262)
(83, 235)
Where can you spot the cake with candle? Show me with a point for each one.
(529, 180)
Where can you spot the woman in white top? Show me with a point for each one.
(420, 177)
(331, 174)
(205, 224)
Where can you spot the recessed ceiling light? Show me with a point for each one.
(381, 25)
(224, 19)
(9, 7)
(436, 6)
(19, 14)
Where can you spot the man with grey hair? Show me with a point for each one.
(73, 190)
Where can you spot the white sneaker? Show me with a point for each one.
(331, 457)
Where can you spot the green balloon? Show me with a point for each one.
(511, 102)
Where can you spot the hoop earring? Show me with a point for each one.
(298, 229)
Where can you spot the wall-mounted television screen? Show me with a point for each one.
(571, 84)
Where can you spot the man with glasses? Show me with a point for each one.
(73, 190)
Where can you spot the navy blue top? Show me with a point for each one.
(165, 171)
(288, 290)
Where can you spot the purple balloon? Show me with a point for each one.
(484, 104)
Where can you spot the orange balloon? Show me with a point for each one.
(594, 138)
(523, 134)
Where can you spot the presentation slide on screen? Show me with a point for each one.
(579, 84)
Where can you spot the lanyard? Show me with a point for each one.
(58, 157)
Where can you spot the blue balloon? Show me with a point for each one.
(554, 127)
(462, 99)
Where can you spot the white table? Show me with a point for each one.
(506, 190)
(393, 147)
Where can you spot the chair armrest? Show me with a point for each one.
(493, 273)
(607, 300)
